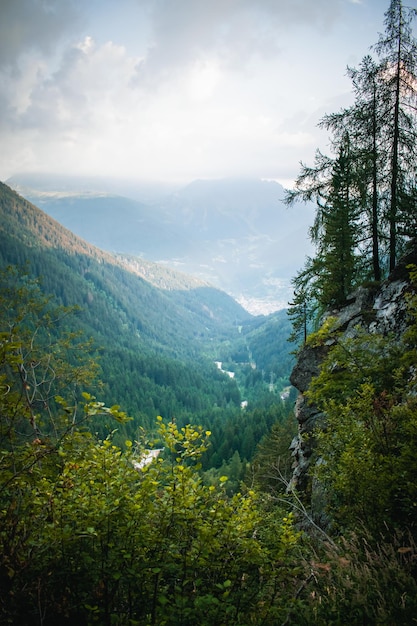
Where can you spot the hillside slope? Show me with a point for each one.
(235, 233)
(196, 311)
(158, 345)
(159, 332)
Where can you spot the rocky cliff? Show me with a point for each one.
(377, 309)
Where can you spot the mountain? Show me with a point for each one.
(28, 233)
(159, 331)
(235, 233)
(249, 243)
(145, 192)
(148, 336)
(112, 223)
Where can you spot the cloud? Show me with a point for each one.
(162, 89)
(87, 92)
(32, 33)
(73, 114)
(192, 43)
(28, 25)
(234, 31)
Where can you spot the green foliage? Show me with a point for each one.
(366, 449)
(91, 533)
(93, 540)
(324, 334)
(272, 462)
(41, 358)
(239, 431)
(364, 470)
(231, 473)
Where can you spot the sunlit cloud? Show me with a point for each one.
(165, 90)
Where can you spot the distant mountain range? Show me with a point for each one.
(157, 301)
(235, 234)
(159, 331)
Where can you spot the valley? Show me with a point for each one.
(156, 334)
(235, 234)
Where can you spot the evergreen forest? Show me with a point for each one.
(145, 431)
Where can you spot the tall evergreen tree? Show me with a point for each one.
(397, 50)
(364, 121)
(338, 238)
(327, 278)
(366, 194)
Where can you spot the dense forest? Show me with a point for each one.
(172, 504)
(156, 333)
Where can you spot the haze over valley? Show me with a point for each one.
(235, 234)
(220, 100)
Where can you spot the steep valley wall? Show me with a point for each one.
(377, 309)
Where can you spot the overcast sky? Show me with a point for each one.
(173, 90)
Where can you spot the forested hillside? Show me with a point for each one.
(80, 331)
(157, 333)
(236, 233)
(103, 522)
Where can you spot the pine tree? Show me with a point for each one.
(364, 121)
(336, 236)
(397, 50)
(365, 195)
(327, 279)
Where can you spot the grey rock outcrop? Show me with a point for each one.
(379, 310)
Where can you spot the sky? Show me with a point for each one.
(175, 90)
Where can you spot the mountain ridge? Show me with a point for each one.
(233, 233)
(25, 225)
(156, 334)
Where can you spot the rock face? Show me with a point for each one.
(376, 309)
